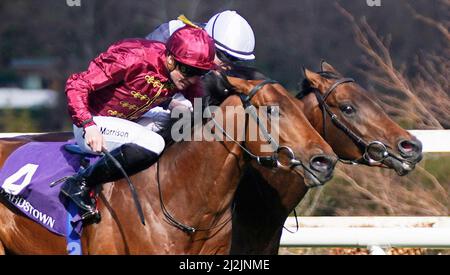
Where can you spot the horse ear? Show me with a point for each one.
(313, 78)
(304, 72)
(326, 67)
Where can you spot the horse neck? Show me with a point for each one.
(204, 175)
(274, 194)
(263, 201)
(313, 112)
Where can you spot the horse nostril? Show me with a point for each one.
(410, 147)
(322, 163)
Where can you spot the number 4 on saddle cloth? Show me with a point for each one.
(25, 183)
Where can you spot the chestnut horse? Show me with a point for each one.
(192, 184)
(259, 216)
(262, 202)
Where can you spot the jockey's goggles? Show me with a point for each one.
(189, 71)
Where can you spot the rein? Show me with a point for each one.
(265, 161)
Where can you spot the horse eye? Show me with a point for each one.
(347, 109)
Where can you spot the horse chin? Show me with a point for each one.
(402, 168)
(315, 180)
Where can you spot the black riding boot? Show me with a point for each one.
(133, 159)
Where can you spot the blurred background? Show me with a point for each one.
(399, 51)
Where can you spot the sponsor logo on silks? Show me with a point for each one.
(111, 132)
(28, 208)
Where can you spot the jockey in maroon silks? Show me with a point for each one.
(120, 85)
(234, 40)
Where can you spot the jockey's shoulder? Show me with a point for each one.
(137, 45)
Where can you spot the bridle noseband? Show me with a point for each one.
(374, 152)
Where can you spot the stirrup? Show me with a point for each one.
(91, 216)
(78, 193)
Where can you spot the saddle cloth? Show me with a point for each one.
(25, 183)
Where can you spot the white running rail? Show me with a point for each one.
(375, 233)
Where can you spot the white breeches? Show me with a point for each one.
(117, 131)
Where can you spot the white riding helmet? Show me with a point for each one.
(232, 34)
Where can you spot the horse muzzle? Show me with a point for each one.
(316, 173)
(404, 161)
(410, 150)
(320, 170)
(410, 154)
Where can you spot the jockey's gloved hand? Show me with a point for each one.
(179, 101)
(94, 138)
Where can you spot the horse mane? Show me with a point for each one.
(305, 87)
(217, 88)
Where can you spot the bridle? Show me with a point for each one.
(374, 152)
(271, 161)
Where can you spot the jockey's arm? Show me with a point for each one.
(107, 69)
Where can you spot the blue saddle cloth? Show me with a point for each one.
(25, 183)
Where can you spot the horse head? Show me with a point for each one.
(362, 131)
(297, 149)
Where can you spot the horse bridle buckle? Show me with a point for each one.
(376, 152)
(293, 161)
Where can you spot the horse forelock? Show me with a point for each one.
(305, 87)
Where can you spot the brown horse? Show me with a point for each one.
(8, 145)
(259, 216)
(263, 210)
(197, 183)
(369, 135)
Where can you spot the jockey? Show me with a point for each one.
(120, 85)
(234, 40)
(232, 34)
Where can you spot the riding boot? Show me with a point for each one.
(133, 158)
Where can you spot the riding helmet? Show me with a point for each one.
(232, 34)
(192, 46)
